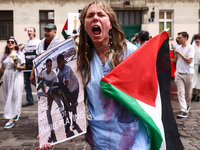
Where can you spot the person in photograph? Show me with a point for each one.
(47, 79)
(13, 81)
(70, 85)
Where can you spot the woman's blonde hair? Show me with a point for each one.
(85, 46)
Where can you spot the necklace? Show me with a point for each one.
(104, 53)
(97, 48)
(103, 60)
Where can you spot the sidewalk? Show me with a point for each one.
(23, 135)
(189, 128)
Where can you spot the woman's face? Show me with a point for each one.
(11, 43)
(97, 25)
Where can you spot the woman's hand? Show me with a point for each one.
(15, 64)
(45, 146)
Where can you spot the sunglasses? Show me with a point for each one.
(12, 42)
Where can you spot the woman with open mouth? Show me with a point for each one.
(102, 46)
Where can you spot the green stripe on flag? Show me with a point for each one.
(64, 34)
(131, 104)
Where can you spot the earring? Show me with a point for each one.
(110, 37)
(86, 40)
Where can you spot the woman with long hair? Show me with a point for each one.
(13, 81)
(102, 46)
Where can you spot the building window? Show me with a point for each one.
(6, 24)
(128, 17)
(46, 16)
(166, 21)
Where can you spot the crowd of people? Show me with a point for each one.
(102, 46)
(185, 69)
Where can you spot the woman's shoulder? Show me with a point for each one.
(130, 47)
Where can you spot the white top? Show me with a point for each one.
(51, 77)
(31, 45)
(182, 66)
(197, 55)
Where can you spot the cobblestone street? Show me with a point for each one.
(23, 135)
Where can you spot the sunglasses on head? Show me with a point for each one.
(12, 42)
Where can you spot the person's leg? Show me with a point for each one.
(74, 104)
(188, 88)
(61, 108)
(194, 94)
(27, 87)
(179, 80)
(52, 137)
(198, 95)
(9, 124)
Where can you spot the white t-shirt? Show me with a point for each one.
(197, 55)
(30, 47)
(182, 66)
(51, 78)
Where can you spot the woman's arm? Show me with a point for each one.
(22, 67)
(32, 77)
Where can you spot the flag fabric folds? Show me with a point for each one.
(141, 83)
(65, 30)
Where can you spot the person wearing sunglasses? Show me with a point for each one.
(13, 81)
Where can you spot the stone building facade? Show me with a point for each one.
(134, 15)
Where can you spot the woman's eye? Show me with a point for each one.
(89, 16)
(101, 15)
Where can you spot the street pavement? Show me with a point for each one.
(23, 135)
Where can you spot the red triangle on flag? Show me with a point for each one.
(142, 84)
(66, 25)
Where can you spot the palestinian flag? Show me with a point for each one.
(65, 30)
(141, 83)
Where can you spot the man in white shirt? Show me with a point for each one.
(184, 73)
(29, 48)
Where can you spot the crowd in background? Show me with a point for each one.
(93, 53)
(185, 67)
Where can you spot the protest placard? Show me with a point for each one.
(61, 109)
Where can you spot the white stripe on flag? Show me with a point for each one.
(156, 114)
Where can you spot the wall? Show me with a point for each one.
(26, 14)
(185, 15)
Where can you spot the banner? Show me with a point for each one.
(61, 109)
